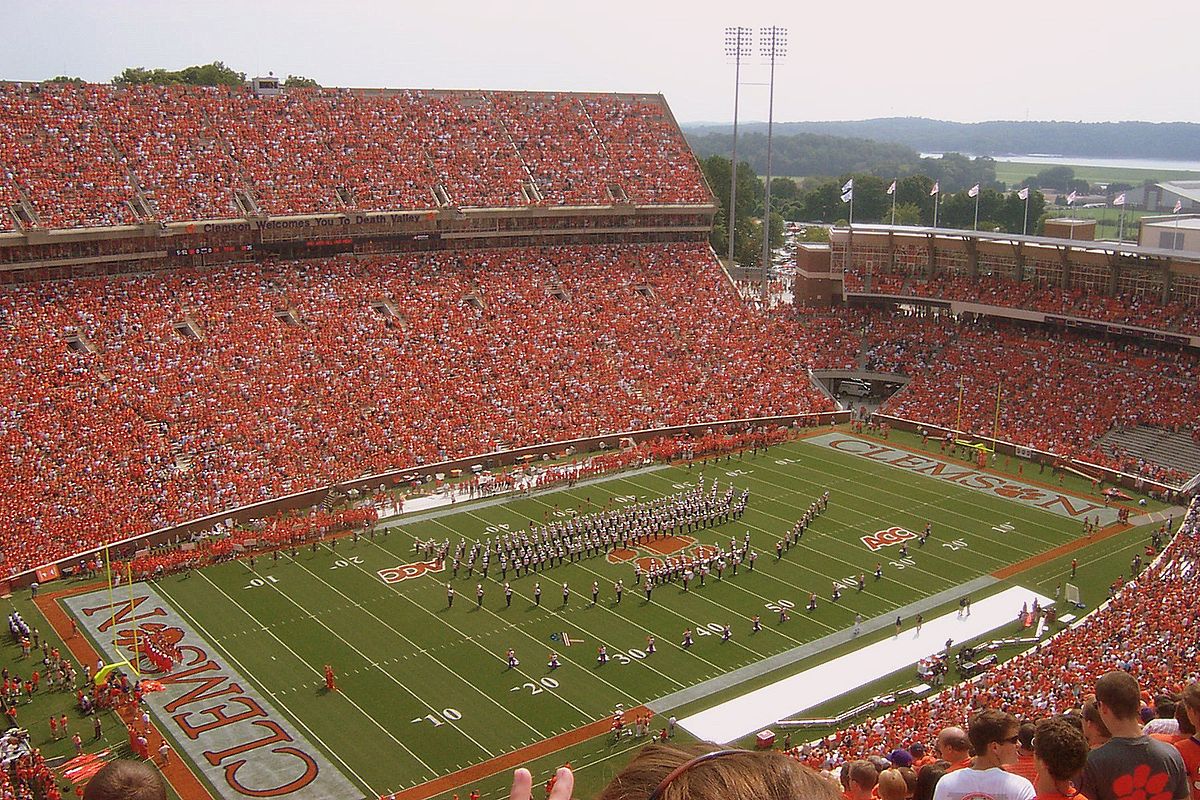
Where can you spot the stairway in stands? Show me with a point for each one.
(1155, 444)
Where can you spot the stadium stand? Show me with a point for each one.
(93, 155)
(1051, 397)
(195, 391)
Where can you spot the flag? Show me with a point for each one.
(1024, 193)
(934, 190)
(848, 196)
(1178, 207)
(892, 188)
(973, 191)
(1071, 198)
(848, 185)
(1119, 200)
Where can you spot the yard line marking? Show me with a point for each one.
(356, 650)
(387, 625)
(248, 675)
(539, 643)
(476, 642)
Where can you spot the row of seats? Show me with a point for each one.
(312, 372)
(80, 154)
(1145, 310)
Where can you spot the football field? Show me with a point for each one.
(424, 689)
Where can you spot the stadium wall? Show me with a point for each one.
(492, 460)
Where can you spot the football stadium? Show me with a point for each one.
(440, 443)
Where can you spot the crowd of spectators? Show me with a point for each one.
(309, 373)
(1058, 392)
(1148, 630)
(1145, 310)
(82, 154)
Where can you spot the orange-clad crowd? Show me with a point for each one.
(1057, 392)
(314, 372)
(1147, 310)
(86, 155)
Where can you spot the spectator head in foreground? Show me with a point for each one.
(700, 772)
(892, 785)
(1187, 711)
(1094, 729)
(1060, 750)
(126, 780)
(994, 735)
(1130, 764)
(928, 777)
(954, 746)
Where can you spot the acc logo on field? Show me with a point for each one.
(406, 571)
(891, 536)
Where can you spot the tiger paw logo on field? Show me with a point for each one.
(660, 550)
(892, 536)
(1015, 491)
(405, 572)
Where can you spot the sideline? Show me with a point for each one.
(507, 761)
(177, 772)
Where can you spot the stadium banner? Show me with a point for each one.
(958, 472)
(232, 734)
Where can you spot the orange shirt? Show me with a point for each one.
(1189, 748)
(1025, 767)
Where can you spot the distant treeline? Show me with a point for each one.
(1170, 140)
(805, 155)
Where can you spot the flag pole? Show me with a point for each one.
(977, 209)
(996, 426)
(937, 199)
(894, 193)
(1025, 224)
(958, 422)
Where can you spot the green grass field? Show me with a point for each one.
(424, 689)
(1013, 172)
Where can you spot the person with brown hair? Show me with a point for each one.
(126, 780)
(697, 772)
(1060, 751)
(1130, 761)
(1189, 744)
(1094, 729)
(994, 738)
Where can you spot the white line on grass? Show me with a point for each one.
(379, 725)
(622, 692)
(245, 673)
(461, 634)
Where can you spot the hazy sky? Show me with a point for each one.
(963, 60)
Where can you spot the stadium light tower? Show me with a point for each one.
(772, 44)
(738, 44)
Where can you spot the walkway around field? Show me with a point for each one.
(756, 710)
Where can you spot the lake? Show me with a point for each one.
(1084, 161)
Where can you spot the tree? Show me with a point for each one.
(214, 74)
(750, 194)
(906, 214)
(300, 82)
(64, 79)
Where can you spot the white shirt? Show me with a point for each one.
(983, 784)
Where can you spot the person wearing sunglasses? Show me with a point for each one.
(994, 736)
